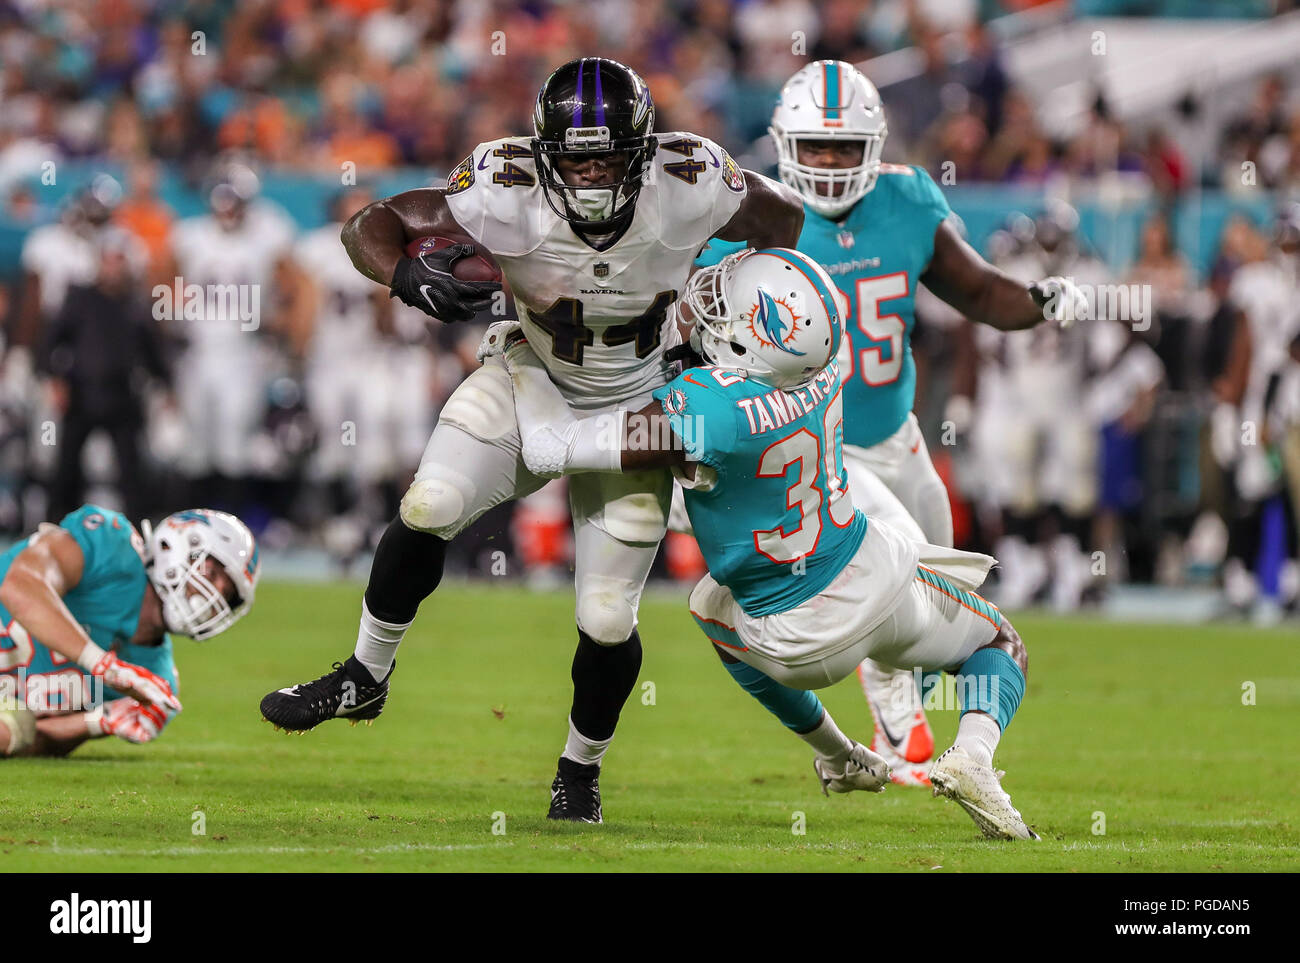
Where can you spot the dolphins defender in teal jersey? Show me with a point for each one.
(879, 230)
(85, 611)
(802, 586)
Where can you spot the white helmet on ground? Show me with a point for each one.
(771, 314)
(177, 553)
(829, 100)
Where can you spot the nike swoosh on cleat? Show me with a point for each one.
(880, 721)
(357, 708)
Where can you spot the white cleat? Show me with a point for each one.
(978, 790)
(864, 770)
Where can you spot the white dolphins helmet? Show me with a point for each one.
(177, 552)
(829, 100)
(771, 314)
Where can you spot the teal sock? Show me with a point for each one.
(798, 709)
(991, 682)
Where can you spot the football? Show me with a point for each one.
(480, 266)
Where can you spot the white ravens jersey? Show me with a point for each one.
(60, 257)
(344, 329)
(234, 271)
(1265, 293)
(599, 320)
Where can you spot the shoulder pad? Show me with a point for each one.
(699, 188)
(493, 195)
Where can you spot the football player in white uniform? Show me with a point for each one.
(230, 254)
(595, 222)
(1037, 443)
(1265, 291)
(367, 390)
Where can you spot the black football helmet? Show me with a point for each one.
(594, 106)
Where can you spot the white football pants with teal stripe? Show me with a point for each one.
(905, 604)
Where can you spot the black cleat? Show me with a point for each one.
(349, 692)
(575, 793)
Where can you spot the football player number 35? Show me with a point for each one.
(879, 356)
(804, 449)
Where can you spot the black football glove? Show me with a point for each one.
(686, 355)
(427, 283)
(690, 354)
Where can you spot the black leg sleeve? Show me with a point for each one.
(603, 677)
(407, 568)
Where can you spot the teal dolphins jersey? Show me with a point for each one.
(106, 602)
(876, 256)
(778, 524)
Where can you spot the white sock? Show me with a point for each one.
(827, 741)
(580, 749)
(377, 643)
(978, 734)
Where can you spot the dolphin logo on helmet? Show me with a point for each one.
(768, 316)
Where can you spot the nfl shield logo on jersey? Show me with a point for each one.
(601, 269)
(845, 238)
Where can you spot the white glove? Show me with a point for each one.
(494, 339)
(1061, 300)
(129, 720)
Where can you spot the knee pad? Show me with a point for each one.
(437, 505)
(606, 609)
(21, 725)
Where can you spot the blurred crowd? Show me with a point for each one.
(1168, 450)
(315, 85)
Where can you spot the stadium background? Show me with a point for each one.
(1183, 113)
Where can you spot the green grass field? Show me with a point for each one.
(1142, 723)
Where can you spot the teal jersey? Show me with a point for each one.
(876, 256)
(106, 602)
(778, 525)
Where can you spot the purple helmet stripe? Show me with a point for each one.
(600, 100)
(577, 102)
